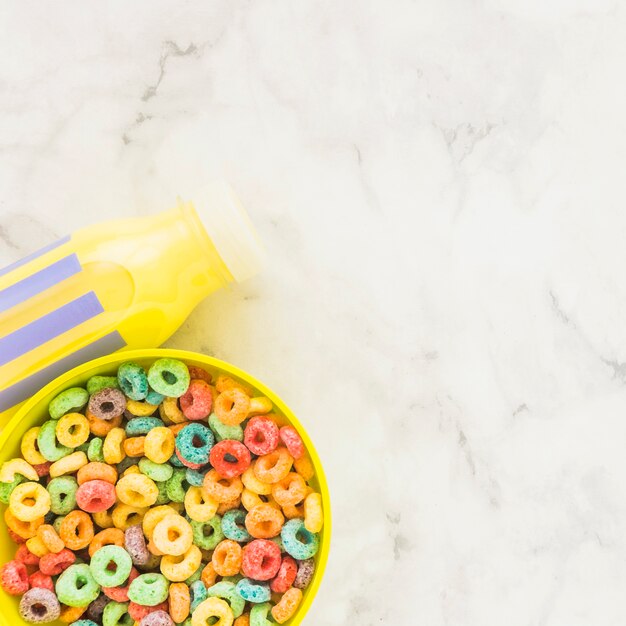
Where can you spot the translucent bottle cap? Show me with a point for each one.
(230, 229)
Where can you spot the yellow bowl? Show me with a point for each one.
(34, 412)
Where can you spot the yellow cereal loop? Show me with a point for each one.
(173, 535)
(260, 406)
(113, 447)
(160, 444)
(179, 568)
(124, 516)
(68, 464)
(170, 411)
(29, 501)
(140, 409)
(210, 609)
(103, 519)
(313, 516)
(37, 546)
(304, 467)
(72, 430)
(200, 506)
(17, 466)
(29, 448)
(133, 469)
(153, 516)
(252, 483)
(137, 490)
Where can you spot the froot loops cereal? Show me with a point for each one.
(159, 497)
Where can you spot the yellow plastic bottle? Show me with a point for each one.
(128, 283)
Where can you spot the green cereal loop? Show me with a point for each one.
(154, 398)
(222, 431)
(233, 525)
(258, 615)
(207, 535)
(62, 490)
(98, 383)
(84, 447)
(227, 591)
(57, 523)
(148, 589)
(94, 451)
(133, 381)
(299, 542)
(195, 477)
(68, 401)
(156, 471)
(116, 614)
(231, 579)
(6, 489)
(196, 575)
(162, 498)
(76, 586)
(198, 593)
(47, 442)
(175, 489)
(142, 425)
(101, 562)
(169, 377)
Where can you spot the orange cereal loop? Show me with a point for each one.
(152, 548)
(273, 467)
(97, 471)
(23, 529)
(101, 428)
(292, 511)
(228, 506)
(106, 537)
(227, 558)
(214, 393)
(113, 446)
(134, 446)
(176, 428)
(170, 412)
(209, 575)
(224, 383)
(304, 467)
(264, 521)
(76, 530)
(290, 490)
(179, 602)
(260, 406)
(242, 620)
(287, 606)
(232, 406)
(71, 614)
(50, 538)
(222, 489)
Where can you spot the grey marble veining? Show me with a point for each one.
(440, 186)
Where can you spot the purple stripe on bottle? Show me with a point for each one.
(25, 388)
(34, 255)
(49, 326)
(38, 282)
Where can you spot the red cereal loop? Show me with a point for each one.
(39, 580)
(53, 564)
(230, 458)
(286, 575)
(24, 555)
(139, 611)
(197, 401)
(120, 594)
(14, 578)
(261, 560)
(95, 496)
(16, 538)
(43, 469)
(292, 441)
(198, 373)
(261, 435)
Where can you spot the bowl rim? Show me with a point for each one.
(156, 353)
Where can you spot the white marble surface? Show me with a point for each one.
(441, 185)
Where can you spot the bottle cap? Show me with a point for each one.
(229, 227)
